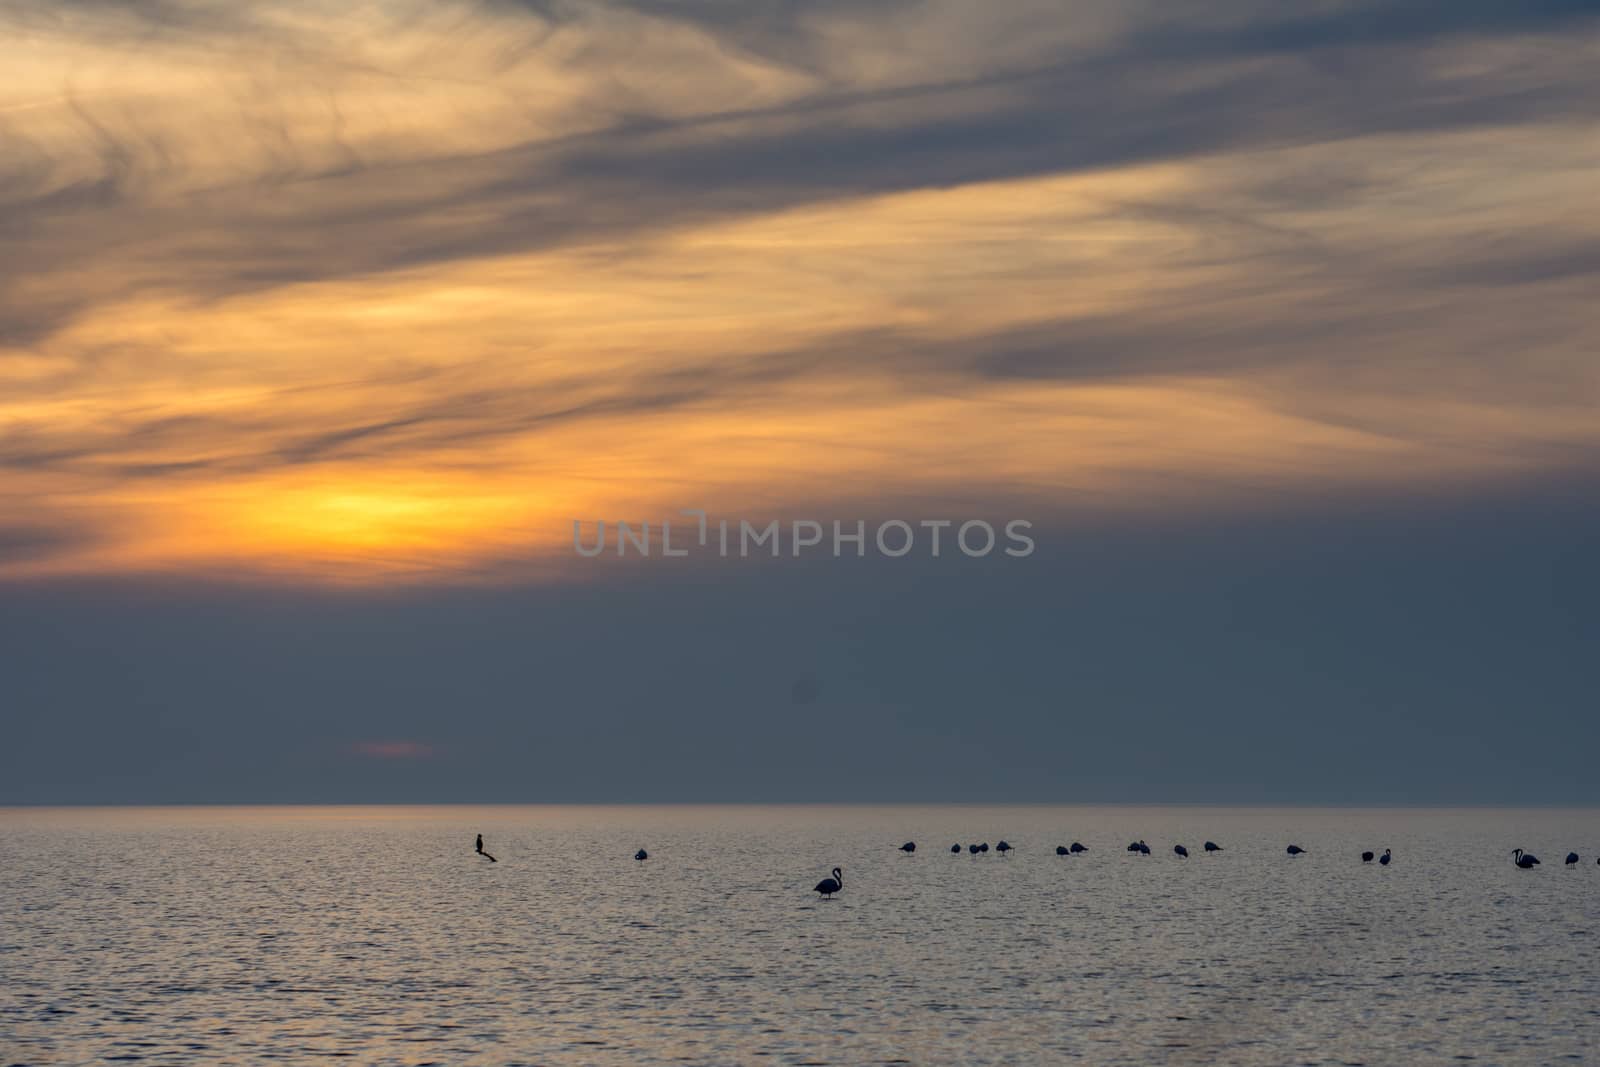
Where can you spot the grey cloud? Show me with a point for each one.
(1277, 28)
(29, 542)
(1522, 260)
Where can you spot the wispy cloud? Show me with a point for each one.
(422, 277)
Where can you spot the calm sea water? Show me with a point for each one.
(375, 935)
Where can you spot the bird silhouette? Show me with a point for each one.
(482, 853)
(909, 846)
(1384, 859)
(1572, 859)
(1366, 857)
(1003, 847)
(1180, 850)
(1062, 850)
(1212, 846)
(972, 849)
(1077, 848)
(1295, 850)
(1140, 847)
(1526, 860)
(829, 886)
(955, 848)
(984, 847)
(641, 855)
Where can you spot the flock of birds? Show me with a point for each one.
(833, 884)
(1527, 860)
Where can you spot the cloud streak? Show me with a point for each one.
(585, 256)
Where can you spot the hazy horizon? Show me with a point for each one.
(1441, 655)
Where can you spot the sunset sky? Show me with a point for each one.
(321, 323)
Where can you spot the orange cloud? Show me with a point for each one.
(308, 294)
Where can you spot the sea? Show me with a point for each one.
(377, 935)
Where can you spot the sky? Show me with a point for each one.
(320, 325)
